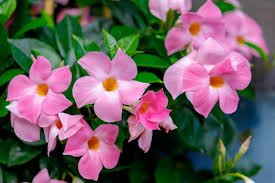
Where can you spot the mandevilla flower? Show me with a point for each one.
(241, 28)
(41, 92)
(195, 28)
(109, 86)
(210, 76)
(152, 110)
(137, 130)
(43, 177)
(160, 8)
(63, 126)
(97, 148)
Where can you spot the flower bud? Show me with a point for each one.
(245, 146)
(222, 149)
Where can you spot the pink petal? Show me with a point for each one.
(229, 99)
(211, 52)
(25, 130)
(131, 91)
(42, 177)
(77, 144)
(109, 107)
(168, 124)
(159, 8)
(135, 128)
(182, 6)
(176, 40)
(149, 125)
(68, 120)
(19, 87)
(55, 103)
(210, 10)
(195, 77)
(30, 107)
(86, 90)
(144, 142)
(97, 64)
(13, 108)
(46, 120)
(60, 79)
(123, 66)
(158, 117)
(90, 166)
(109, 155)
(53, 133)
(204, 100)
(158, 100)
(173, 77)
(107, 133)
(40, 70)
(70, 132)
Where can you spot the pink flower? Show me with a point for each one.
(152, 110)
(97, 148)
(63, 126)
(137, 130)
(109, 86)
(210, 75)
(83, 13)
(160, 8)
(195, 28)
(241, 28)
(43, 177)
(41, 92)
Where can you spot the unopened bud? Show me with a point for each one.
(248, 180)
(222, 148)
(245, 146)
(77, 180)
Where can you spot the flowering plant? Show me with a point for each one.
(79, 88)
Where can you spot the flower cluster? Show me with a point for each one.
(217, 63)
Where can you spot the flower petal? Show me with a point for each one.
(40, 70)
(25, 130)
(107, 133)
(97, 64)
(86, 90)
(229, 99)
(204, 100)
(168, 124)
(90, 166)
(210, 10)
(159, 8)
(60, 79)
(131, 91)
(123, 66)
(135, 128)
(158, 117)
(109, 155)
(108, 107)
(68, 120)
(144, 142)
(176, 40)
(46, 120)
(42, 177)
(53, 133)
(55, 103)
(19, 87)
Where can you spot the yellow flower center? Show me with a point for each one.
(144, 107)
(42, 89)
(195, 29)
(58, 124)
(240, 40)
(110, 84)
(216, 81)
(93, 143)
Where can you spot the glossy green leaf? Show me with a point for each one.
(111, 43)
(4, 46)
(259, 50)
(1, 175)
(7, 7)
(151, 61)
(3, 104)
(129, 44)
(122, 31)
(225, 6)
(12, 153)
(148, 77)
(248, 93)
(22, 49)
(138, 172)
(8, 75)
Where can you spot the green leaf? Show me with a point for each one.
(4, 46)
(224, 6)
(7, 7)
(138, 172)
(167, 171)
(79, 47)
(258, 49)
(3, 104)
(150, 61)
(148, 77)
(12, 153)
(247, 167)
(22, 50)
(92, 46)
(110, 42)
(1, 175)
(122, 31)
(8, 75)
(248, 93)
(129, 44)
(64, 34)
